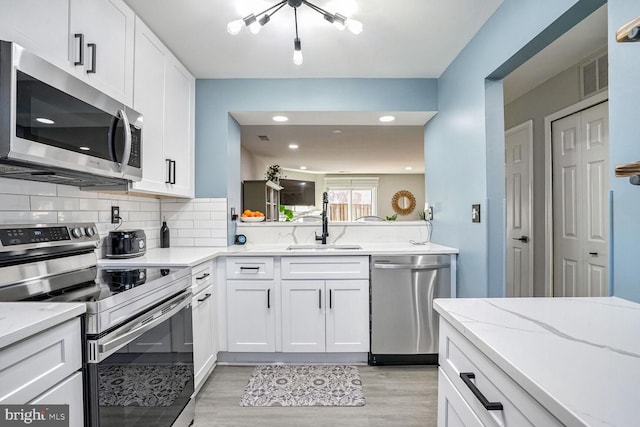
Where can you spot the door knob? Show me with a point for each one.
(523, 239)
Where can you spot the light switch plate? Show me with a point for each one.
(475, 213)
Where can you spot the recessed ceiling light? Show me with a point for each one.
(408, 168)
(386, 119)
(280, 118)
(293, 146)
(45, 121)
(303, 167)
(83, 148)
(337, 131)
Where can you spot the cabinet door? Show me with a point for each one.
(148, 99)
(347, 315)
(251, 315)
(68, 392)
(303, 319)
(109, 24)
(202, 307)
(39, 26)
(453, 410)
(178, 130)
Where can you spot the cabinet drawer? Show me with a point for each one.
(250, 268)
(325, 267)
(31, 366)
(453, 410)
(459, 355)
(68, 392)
(201, 276)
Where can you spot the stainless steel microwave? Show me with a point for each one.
(56, 128)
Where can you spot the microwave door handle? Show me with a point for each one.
(126, 154)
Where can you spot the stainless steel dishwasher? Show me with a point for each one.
(404, 326)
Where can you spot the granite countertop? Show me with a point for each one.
(192, 256)
(20, 320)
(578, 357)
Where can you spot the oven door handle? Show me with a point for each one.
(151, 320)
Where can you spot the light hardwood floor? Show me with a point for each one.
(399, 396)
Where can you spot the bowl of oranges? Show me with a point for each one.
(252, 216)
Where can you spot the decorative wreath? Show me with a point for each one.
(403, 210)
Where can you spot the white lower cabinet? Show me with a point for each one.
(251, 316)
(475, 402)
(45, 369)
(325, 315)
(204, 324)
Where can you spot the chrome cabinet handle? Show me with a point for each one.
(489, 406)
(80, 38)
(93, 48)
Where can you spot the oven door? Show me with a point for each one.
(141, 373)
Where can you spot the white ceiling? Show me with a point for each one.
(408, 38)
(417, 40)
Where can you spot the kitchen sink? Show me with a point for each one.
(323, 247)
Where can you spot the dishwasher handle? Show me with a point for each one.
(409, 266)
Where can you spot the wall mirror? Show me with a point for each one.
(403, 202)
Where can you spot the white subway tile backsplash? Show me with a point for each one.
(196, 222)
(17, 186)
(14, 202)
(14, 217)
(47, 203)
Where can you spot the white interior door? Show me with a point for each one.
(580, 209)
(519, 277)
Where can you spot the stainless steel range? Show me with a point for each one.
(138, 345)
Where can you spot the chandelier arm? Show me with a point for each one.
(316, 8)
(282, 3)
(280, 6)
(295, 18)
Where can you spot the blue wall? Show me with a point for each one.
(465, 141)
(218, 142)
(624, 142)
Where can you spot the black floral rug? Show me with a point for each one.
(143, 385)
(304, 385)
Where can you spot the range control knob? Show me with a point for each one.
(77, 232)
(90, 231)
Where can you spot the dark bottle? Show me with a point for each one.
(164, 235)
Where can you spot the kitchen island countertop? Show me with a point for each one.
(578, 357)
(20, 320)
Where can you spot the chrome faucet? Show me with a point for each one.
(325, 220)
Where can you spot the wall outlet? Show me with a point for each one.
(115, 214)
(475, 213)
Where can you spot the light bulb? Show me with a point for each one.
(234, 27)
(255, 27)
(297, 52)
(354, 26)
(339, 21)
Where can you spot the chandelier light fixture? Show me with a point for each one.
(256, 22)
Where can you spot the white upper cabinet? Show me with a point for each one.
(101, 34)
(91, 39)
(41, 26)
(164, 92)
